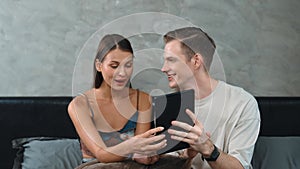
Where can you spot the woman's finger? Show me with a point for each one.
(153, 139)
(151, 132)
(150, 149)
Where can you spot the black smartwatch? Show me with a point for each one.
(214, 155)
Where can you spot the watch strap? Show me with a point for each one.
(214, 155)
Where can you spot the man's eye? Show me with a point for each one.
(171, 59)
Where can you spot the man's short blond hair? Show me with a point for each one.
(193, 40)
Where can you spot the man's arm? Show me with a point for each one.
(223, 160)
(200, 143)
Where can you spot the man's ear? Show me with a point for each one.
(197, 61)
(98, 65)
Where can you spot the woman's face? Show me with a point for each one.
(116, 68)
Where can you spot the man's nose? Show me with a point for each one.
(164, 67)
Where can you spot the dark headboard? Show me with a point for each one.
(47, 116)
(29, 117)
(280, 116)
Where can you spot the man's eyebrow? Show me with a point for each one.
(170, 57)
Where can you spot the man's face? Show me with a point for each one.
(176, 66)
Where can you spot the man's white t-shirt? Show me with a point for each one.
(231, 116)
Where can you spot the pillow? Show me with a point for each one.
(276, 153)
(165, 162)
(47, 153)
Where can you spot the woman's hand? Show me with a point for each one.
(191, 153)
(148, 143)
(143, 159)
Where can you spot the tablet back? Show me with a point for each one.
(169, 107)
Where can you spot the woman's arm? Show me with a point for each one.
(80, 115)
(144, 124)
(144, 116)
(88, 133)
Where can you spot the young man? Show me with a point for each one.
(229, 114)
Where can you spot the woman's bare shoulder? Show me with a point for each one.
(144, 100)
(144, 95)
(79, 101)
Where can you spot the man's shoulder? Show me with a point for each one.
(237, 93)
(242, 100)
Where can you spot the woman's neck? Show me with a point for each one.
(108, 93)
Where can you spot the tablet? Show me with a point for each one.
(169, 107)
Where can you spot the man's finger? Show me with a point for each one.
(182, 125)
(193, 117)
(177, 133)
(178, 138)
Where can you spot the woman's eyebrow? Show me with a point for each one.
(114, 62)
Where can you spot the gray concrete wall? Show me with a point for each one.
(46, 46)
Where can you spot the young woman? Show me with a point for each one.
(112, 119)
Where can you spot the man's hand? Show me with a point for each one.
(195, 135)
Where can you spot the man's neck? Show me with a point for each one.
(203, 85)
(205, 88)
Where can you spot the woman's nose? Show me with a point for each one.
(121, 71)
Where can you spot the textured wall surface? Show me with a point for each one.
(45, 44)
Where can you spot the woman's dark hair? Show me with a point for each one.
(108, 43)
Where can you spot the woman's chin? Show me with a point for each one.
(118, 86)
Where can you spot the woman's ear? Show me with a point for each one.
(98, 65)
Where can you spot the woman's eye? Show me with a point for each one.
(128, 65)
(114, 66)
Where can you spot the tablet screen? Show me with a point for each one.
(169, 107)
